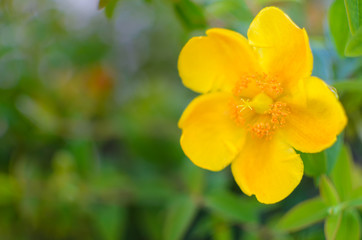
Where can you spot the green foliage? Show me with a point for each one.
(317, 164)
(345, 20)
(354, 45)
(332, 225)
(231, 207)
(89, 144)
(342, 175)
(181, 212)
(354, 14)
(337, 206)
(347, 226)
(110, 219)
(328, 192)
(191, 15)
(304, 214)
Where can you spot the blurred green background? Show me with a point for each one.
(89, 144)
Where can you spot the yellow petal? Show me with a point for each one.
(210, 138)
(268, 169)
(312, 127)
(215, 61)
(283, 47)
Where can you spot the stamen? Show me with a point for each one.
(278, 112)
(236, 113)
(243, 83)
(261, 130)
(262, 81)
(269, 83)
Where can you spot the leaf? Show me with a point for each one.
(349, 86)
(355, 199)
(338, 25)
(110, 220)
(331, 226)
(354, 45)
(342, 176)
(354, 14)
(221, 231)
(111, 6)
(357, 193)
(190, 14)
(193, 177)
(232, 207)
(304, 215)
(179, 217)
(314, 163)
(230, 8)
(332, 153)
(349, 227)
(317, 164)
(328, 192)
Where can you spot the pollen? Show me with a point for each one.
(236, 114)
(269, 84)
(243, 83)
(261, 82)
(262, 130)
(267, 124)
(278, 114)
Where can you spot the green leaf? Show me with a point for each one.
(332, 153)
(342, 176)
(110, 220)
(355, 199)
(331, 226)
(314, 163)
(221, 231)
(354, 45)
(111, 6)
(193, 177)
(317, 164)
(179, 217)
(349, 227)
(191, 15)
(338, 25)
(357, 193)
(232, 207)
(328, 192)
(230, 8)
(349, 86)
(354, 14)
(304, 215)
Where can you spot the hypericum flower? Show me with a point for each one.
(259, 102)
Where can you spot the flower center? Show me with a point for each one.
(261, 115)
(261, 103)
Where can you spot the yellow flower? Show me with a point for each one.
(259, 102)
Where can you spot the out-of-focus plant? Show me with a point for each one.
(89, 145)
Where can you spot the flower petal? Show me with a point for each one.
(268, 169)
(312, 127)
(210, 138)
(282, 46)
(215, 61)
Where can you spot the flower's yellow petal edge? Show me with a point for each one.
(313, 127)
(270, 170)
(282, 46)
(210, 137)
(215, 61)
